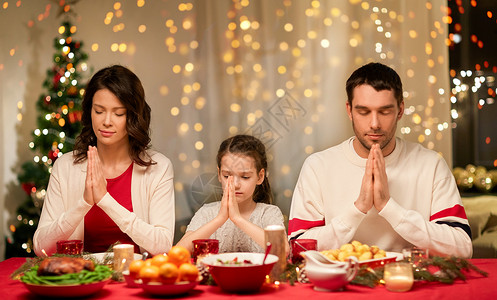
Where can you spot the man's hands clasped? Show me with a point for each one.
(374, 187)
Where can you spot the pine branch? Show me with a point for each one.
(368, 277)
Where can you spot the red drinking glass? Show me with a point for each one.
(203, 247)
(70, 247)
(299, 245)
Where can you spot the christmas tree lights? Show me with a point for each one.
(58, 121)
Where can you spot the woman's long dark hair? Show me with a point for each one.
(249, 146)
(126, 86)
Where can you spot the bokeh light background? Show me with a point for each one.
(214, 68)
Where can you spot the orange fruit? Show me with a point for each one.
(149, 274)
(159, 259)
(188, 272)
(148, 262)
(179, 255)
(168, 273)
(135, 266)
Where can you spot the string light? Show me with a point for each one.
(243, 35)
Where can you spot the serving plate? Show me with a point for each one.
(66, 291)
(159, 289)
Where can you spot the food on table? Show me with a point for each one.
(187, 272)
(361, 251)
(58, 271)
(179, 255)
(149, 274)
(175, 266)
(169, 273)
(159, 260)
(64, 265)
(235, 262)
(135, 266)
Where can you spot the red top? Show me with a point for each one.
(100, 231)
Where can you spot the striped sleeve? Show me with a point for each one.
(298, 226)
(454, 216)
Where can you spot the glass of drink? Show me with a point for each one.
(299, 245)
(204, 247)
(70, 247)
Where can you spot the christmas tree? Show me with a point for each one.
(58, 121)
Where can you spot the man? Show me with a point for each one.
(376, 188)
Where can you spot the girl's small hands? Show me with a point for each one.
(234, 211)
(223, 210)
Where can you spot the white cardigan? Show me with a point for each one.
(150, 225)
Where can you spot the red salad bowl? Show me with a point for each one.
(239, 272)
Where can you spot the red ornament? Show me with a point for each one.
(53, 154)
(27, 187)
(56, 80)
(47, 100)
(74, 116)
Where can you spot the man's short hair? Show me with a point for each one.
(378, 76)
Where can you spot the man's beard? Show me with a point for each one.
(364, 143)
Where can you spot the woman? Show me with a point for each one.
(111, 188)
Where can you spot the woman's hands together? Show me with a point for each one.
(95, 184)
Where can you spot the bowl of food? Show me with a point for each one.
(372, 256)
(240, 272)
(164, 275)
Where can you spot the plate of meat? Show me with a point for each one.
(66, 277)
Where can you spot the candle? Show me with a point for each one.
(398, 276)
(123, 255)
(275, 234)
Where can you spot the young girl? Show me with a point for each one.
(237, 221)
(111, 187)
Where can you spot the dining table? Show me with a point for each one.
(475, 286)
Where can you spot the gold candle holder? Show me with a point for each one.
(123, 256)
(275, 234)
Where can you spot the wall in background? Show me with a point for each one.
(211, 69)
